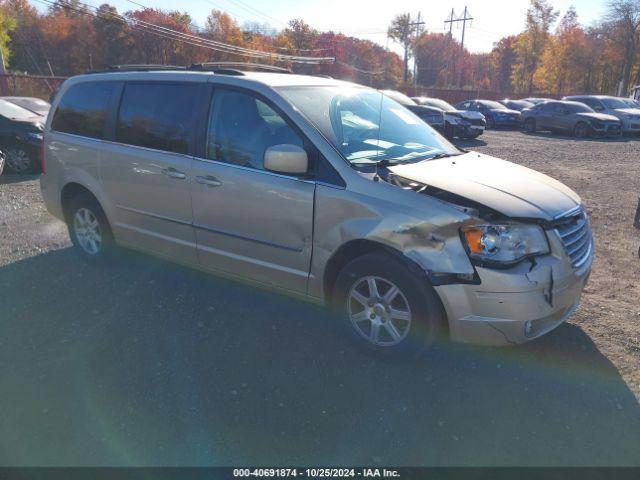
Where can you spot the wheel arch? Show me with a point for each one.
(357, 248)
(72, 190)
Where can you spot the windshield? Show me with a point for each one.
(493, 105)
(614, 103)
(367, 126)
(631, 103)
(441, 104)
(14, 112)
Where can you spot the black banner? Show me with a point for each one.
(402, 473)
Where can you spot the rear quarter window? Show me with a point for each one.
(83, 109)
(158, 116)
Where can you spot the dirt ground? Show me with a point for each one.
(146, 363)
(606, 174)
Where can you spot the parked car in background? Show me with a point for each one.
(569, 117)
(431, 115)
(497, 115)
(631, 102)
(537, 100)
(457, 123)
(20, 137)
(518, 105)
(629, 116)
(33, 104)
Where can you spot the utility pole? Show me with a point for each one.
(464, 19)
(419, 24)
(2, 69)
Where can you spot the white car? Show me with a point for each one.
(630, 117)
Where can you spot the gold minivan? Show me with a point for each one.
(320, 188)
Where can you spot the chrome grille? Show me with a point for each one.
(576, 237)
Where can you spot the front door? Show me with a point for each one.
(249, 221)
(146, 171)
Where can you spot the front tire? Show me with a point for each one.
(386, 308)
(581, 130)
(88, 228)
(2, 161)
(491, 124)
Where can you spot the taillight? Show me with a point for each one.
(42, 162)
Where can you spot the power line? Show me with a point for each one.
(195, 40)
(464, 19)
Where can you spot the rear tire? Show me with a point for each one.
(89, 229)
(581, 130)
(386, 308)
(19, 160)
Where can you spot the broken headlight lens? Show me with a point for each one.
(504, 243)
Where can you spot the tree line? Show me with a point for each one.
(553, 54)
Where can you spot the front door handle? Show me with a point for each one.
(173, 173)
(209, 181)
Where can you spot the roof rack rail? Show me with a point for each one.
(137, 68)
(236, 68)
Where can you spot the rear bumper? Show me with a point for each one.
(515, 305)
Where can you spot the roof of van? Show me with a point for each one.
(266, 78)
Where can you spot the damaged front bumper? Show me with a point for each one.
(518, 304)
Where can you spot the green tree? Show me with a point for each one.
(401, 31)
(7, 25)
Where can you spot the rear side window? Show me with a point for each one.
(158, 116)
(83, 109)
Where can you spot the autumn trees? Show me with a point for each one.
(554, 54)
(71, 37)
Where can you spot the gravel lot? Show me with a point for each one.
(147, 363)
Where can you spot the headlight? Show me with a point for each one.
(504, 243)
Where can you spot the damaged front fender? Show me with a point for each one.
(425, 231)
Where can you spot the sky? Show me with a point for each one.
(369, 19)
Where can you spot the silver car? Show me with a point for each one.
(319, 188)
(629, 116)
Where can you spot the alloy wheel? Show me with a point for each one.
(379, 311)
(87, 230)
(18, 160)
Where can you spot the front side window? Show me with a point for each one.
(158, 116)
(366, 126)
(83, 109)
(242, 127)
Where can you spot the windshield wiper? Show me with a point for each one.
(445, 155)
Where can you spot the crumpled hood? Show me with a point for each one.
(508, 188)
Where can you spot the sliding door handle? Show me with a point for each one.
(209, 181)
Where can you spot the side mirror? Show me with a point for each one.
(286, 158)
